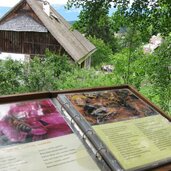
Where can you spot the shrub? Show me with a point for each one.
(102, 54)
(11, 73)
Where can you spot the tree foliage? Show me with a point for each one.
(159, 73)
(10, 76)
(102, 54)
(146, 14)
(94, 18)
(136, 71)
(36, 75)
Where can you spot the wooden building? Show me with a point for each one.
(33, 26)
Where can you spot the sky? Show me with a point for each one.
(11, 3)
(69, 15)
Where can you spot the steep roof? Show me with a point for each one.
(74, 43)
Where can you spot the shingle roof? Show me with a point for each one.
(23, 23)
(74, 43)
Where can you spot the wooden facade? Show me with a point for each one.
(28, 29)
(32, 43)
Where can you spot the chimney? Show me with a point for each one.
(46, 7)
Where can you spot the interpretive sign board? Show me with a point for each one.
(139, 142)
(133, 131)
(107, 128)
(35, 136)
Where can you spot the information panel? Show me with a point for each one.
(139, 142)
(34, 136)
(61, 153)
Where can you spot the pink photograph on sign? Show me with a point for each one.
(30, 121)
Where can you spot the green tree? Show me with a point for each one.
(42, 74)
(145, 15)
(58, 63)
(159, 74)
(136, 73)
(102, 54)
(131, 38)
(39, 74)
(10, 76)
(94, 18)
